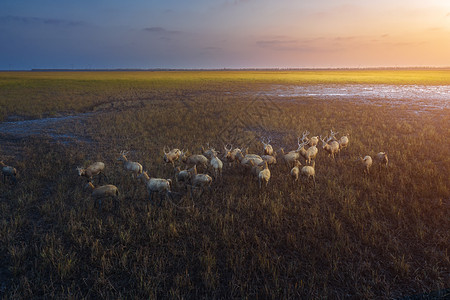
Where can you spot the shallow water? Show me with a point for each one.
(57, 128)
(422, 96)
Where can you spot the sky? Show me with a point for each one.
(145, 34)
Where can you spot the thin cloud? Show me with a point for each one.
(345, 38)
(37, 20)
(274, 43)
(287, 45)
(235, 2)
(160, 30)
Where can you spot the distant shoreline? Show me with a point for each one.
(229, 69)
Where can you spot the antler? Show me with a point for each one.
(305, 135)
(228, 149)
(333, 134)
(262, 141)
(330, 138)
(164, 149)
(300, 144)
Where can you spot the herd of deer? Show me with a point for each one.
(258, 165)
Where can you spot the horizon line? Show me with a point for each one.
(221, 69)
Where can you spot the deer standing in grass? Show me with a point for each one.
(8, 171)
(101, 192)
(366, 163)
(194, 159)
(270, 159)
(217, 165)
(343, 141)
(290, 157)
(209, 152)
(134, 168)
(295, 171)
(264, 175)
(310, 172)
(268, 149)
(230, 154)
(382, 159)
(199, 181)
(92, 170)
(313, 141)
(331, 146)
(156, 185)
(172, 155)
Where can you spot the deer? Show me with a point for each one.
(268, 149)
(264, 175)
(343, 141)
(295, 171)
(181, 175)
(199, 180)
(217, 165)
(255, 169)
(230, 154)
(8, 171)
(309, 171)
(333, 135)
(290, 157)
(382, 159)
(366, 163)
(172, 155)
(134, 168)
(270, 159)
(313, 141)
(101, 192)
(309, 153)
(194, 159)
(92, 170)
(245, 158)
(331, 146)
(156, 185)
(209, 152)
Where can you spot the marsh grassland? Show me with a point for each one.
(385, 235)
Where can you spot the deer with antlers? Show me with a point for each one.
(290, 157)
(311, 152)
(331, 145)
(268, 149)
(134, 168)
(313, 141)
(209, 152)
(230, 153)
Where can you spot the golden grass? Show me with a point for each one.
(381, 236)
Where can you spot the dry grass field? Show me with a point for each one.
(382, 235)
